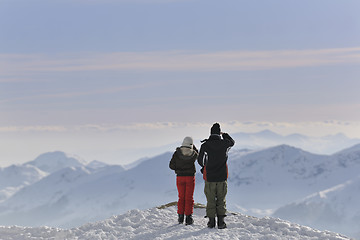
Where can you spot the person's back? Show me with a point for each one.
(182, 162)
(213, 156)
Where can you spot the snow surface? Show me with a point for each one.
(334, 209)
(159, 224)
(262, 181)
(15, 177)
(337, 207)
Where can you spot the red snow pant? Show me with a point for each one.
(185, 186)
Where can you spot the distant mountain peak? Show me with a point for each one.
(285, 148)
(96, 164)
(53, 161)
(268, 134)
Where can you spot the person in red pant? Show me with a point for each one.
(183, 163)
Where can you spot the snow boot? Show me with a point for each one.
(211, 223)
(221, 222)
(189, 220)
(181, 218)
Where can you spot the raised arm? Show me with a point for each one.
(228, 139)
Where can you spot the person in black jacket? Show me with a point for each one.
(213, 160)
(183, 162)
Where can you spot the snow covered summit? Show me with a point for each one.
(159, 224)
(53, 161)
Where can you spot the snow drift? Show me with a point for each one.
(159, 224)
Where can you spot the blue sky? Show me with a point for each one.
(76, 70)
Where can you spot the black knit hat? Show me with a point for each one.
(215, 129)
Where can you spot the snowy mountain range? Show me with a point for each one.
(77, 194)
(283, 174)
(65, 191)
(329, 144)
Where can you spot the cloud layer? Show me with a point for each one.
(14, 64)
(320, 128)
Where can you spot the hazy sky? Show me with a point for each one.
(107, 78)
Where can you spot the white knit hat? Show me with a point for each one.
(188, 142)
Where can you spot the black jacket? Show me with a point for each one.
(183, 161)
(213, 157)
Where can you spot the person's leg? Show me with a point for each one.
(189, 195)
(221, 203)
(221, 190)
(189, 199)
(210, 193)
(181, 201)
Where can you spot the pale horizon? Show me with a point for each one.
(124, 144)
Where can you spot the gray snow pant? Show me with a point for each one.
(215, 193)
